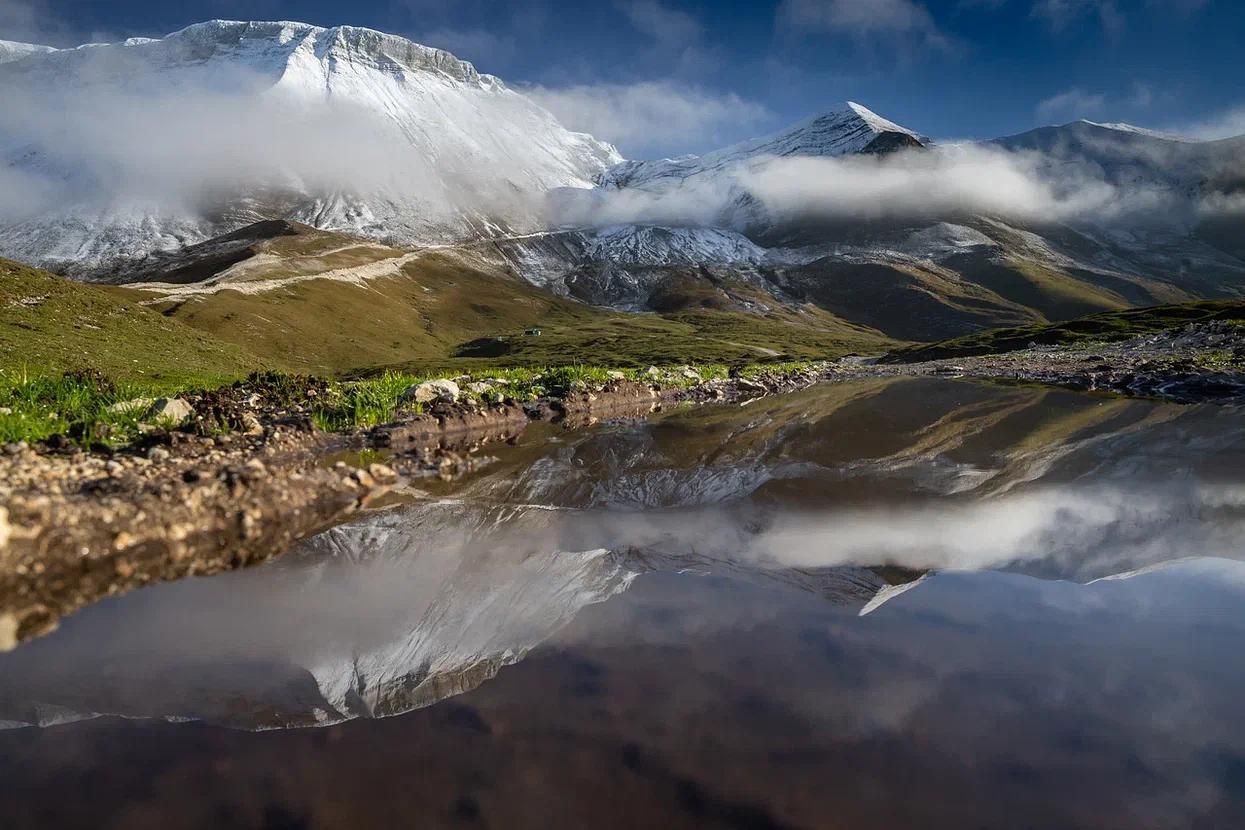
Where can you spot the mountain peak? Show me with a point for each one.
(354, 44)
(846, 130)
(433, 151)
(875, 121)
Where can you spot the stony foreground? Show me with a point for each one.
(76, 526)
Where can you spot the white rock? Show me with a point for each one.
(480, 388)
(432, 390)
(8, 632)
(250, 424)
(169, 410)
(136, 406)
(614, 374)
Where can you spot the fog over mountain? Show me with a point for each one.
(113, 153)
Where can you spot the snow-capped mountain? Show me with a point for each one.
(120, 155)
(1117, 214)
(148, 145)
(367, 620)
(850, 128)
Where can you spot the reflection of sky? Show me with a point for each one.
(1113, 704)
(1123, 694)
(694, 591)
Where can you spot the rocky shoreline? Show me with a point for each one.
(1200, 363)
(76, 526)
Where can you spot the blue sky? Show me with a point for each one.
(669, 76)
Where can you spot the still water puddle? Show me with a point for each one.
(914, 603)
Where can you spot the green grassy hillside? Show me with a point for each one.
(50, 324)
(445, 310)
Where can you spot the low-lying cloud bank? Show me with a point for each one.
(124, 141)
(648, 116)
(945, 181)
(1079, 533)
(113, 131)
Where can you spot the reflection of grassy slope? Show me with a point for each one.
(711, 435)
(423, 317)
(1106, 327)
(49, 324)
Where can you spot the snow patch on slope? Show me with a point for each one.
(12, 50)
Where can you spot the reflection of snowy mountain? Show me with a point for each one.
(847, 493)
(367, 620)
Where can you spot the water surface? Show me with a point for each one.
(886, 604)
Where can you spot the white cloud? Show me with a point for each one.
(1227, 124)
(676, 47)
(948, 181)
(649, 115)
(858, 16)
(952, 180)
(662, 23)
(1080, 103)
(1072, 103)
(1059, 14)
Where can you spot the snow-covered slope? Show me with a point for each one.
(699, 209)
(12, 50)
(1131, 157)
(152, 144)
(842, 131)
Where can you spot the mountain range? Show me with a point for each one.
(181, 160)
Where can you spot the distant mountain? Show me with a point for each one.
(343, 128)
(12, 51)
(848, 129)
(1165, 230)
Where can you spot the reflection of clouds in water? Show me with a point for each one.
(1117, 687)
(1073, 532)
(369, 619)
(1077, 532)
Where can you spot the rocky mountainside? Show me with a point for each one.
(1165, 226)
(149, 145)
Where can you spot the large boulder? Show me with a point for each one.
(431, 391)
